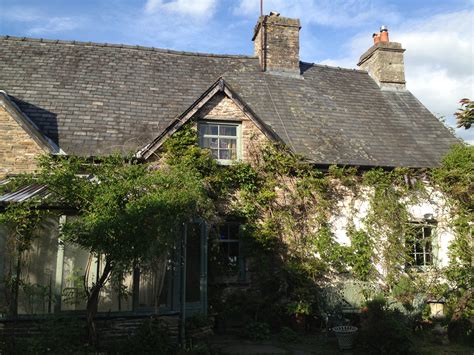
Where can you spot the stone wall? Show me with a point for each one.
(18, 150)
(221, 108)
(384, 62)
(112, 330)
(281, 44)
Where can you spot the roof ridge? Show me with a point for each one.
(334, 67)
(124, 46)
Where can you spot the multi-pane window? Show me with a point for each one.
(222, 139)
(419, 243)
(229, 242)
(226, 259)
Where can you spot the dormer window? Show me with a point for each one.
(223, 140)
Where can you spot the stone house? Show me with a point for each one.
(92, 99)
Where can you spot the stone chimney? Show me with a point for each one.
(384, 62)
(277, 44)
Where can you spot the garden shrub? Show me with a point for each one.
(197, 321)
(151, 336)
(385, 331)
(55, 336)
(288, 335)
(461, 331)
(257, 331)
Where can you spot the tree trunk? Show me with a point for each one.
(15, 287)
(93, 304)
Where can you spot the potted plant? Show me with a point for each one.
(299, 311)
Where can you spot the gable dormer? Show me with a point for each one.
(224, 125)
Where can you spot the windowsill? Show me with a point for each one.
(420, 268)
(227, 162)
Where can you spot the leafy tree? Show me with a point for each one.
(130, 213)
(455, 178)
(23, 219)
(465, 115)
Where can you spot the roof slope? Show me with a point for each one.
(341, 116)
(94, 99)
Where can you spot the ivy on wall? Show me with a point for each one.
(289, 207)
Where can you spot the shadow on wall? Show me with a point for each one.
(46, 120)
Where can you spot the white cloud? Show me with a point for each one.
(439, 61)
(38, 23)
(333, 13)
(56, 25)
(190, 8)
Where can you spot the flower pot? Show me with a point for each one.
(345, 336)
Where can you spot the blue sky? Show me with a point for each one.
(438, 34)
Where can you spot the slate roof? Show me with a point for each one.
(94, 99)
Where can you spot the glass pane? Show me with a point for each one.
(210, 129)
(210, 143)
(225, 154)
(419, 259)
(227, 143)
(206, 143)
(234, 231)
(428, 258)
(39, 271)
(228, 131)
(215, 153)
(73, 296)
(152, 280)
(223, 232)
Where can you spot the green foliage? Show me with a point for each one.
(126, 208)
(405, 290)
(288, 335)
(461, 331)
(299, 308)
(197, 321)
(287, 203)
(455, 178)
(361, 254)
(23, 220)
(388, 218)
(58, 336)
(257, 331)
(151, 337)
(465, 115)
(385, 331)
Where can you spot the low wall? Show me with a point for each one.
(112, 330)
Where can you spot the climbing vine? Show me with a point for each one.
(290, 209)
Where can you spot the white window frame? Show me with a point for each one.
(238, 138)
(413, 252)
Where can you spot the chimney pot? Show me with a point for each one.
(376, 37)
(384, 34)
(384, 62)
